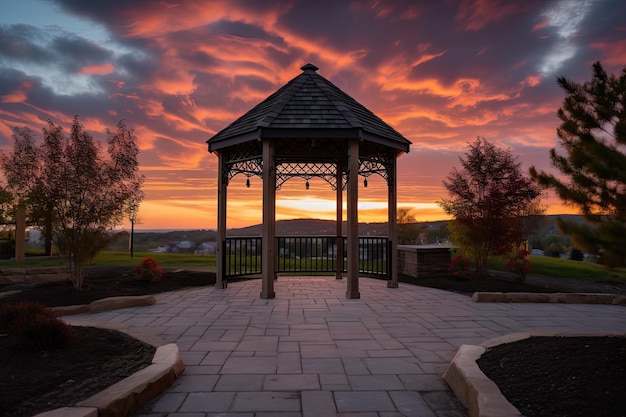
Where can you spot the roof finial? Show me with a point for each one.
(309, 67)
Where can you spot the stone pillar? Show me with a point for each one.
(220, 276)
(392, 232)
(20, 234)
(353, 221)
(268, 255)
(339, 200)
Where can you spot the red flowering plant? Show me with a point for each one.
(519, 263)
(148, 270)
(459, 267)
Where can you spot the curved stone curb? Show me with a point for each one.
(479, 394)
(127, 396)
(529, 297)
(104, 304)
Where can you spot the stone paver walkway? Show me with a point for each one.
(312, 353)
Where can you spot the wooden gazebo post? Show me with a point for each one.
(268, 254)
(221, 222)
(392, 227)
(339, 229)
(352, 290)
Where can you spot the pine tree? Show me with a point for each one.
(593, 135)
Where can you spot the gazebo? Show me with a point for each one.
(309, 128)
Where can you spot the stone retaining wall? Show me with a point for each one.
(35, 274)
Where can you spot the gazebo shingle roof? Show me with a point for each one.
(307, 106)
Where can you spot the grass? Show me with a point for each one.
(566, 268)
(107, 258)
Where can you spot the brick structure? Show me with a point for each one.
(423, 261)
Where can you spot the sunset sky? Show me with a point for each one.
(439, 72)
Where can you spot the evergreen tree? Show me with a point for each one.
(593, 135)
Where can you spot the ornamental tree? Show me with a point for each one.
(593, 178)
(73, 188)
(493, 205)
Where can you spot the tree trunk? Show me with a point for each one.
(77, 275)
(48, 233)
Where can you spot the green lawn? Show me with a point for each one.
(163, 259)
(556, 267)
(107, 258)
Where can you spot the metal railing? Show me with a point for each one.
(304, 254)
(242, 256)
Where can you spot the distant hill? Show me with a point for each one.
(148, 240)
(317, 227)
(310, 227)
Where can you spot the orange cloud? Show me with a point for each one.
(14, 97)
(463, 92)
(172, 80)
(5, 130)
(533, 80)
(164, 18)
(97, 69)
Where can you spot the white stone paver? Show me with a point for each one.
(310, 352)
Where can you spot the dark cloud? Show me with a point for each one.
(24, 42)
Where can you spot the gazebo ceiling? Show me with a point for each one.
(309, 107)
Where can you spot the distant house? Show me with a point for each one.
(206, 248)
(160, 249)
(186, 246)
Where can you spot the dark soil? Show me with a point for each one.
(561, 376)
(34, 382)
(500, 281)
(117, 281)
(103, 282)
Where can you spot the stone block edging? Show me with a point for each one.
(567, 298)
(34, 274)
(127, 396)
(479, 394)
(104, 304)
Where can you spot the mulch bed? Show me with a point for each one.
(561, 376)
(117, 281)
(34, 382)
(103, 282)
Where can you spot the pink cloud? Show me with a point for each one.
(102, 69)
(476, 14)
(14, 97)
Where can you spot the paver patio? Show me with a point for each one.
(311, 352)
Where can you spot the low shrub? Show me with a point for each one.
(148, 270)
(34, 326)
(519, 263)
(44, 333)
(14, 315)
(459, 267)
